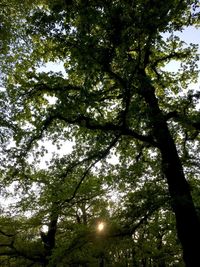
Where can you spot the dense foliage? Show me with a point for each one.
(118, 130)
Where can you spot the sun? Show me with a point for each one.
(100, 226)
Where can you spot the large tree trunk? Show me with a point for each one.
(48, 239)
(187, 221)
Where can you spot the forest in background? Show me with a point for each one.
(113, 141)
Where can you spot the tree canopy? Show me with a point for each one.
(125, 132)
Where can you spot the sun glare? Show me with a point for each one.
(100, 226)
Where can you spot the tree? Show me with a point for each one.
(116, 91)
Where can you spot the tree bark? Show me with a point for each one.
(49, 238)
(187, 221)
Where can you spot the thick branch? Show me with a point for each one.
(173, 55)
(88, 123)
(106, 127)
(5, 234)
(183, 119)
